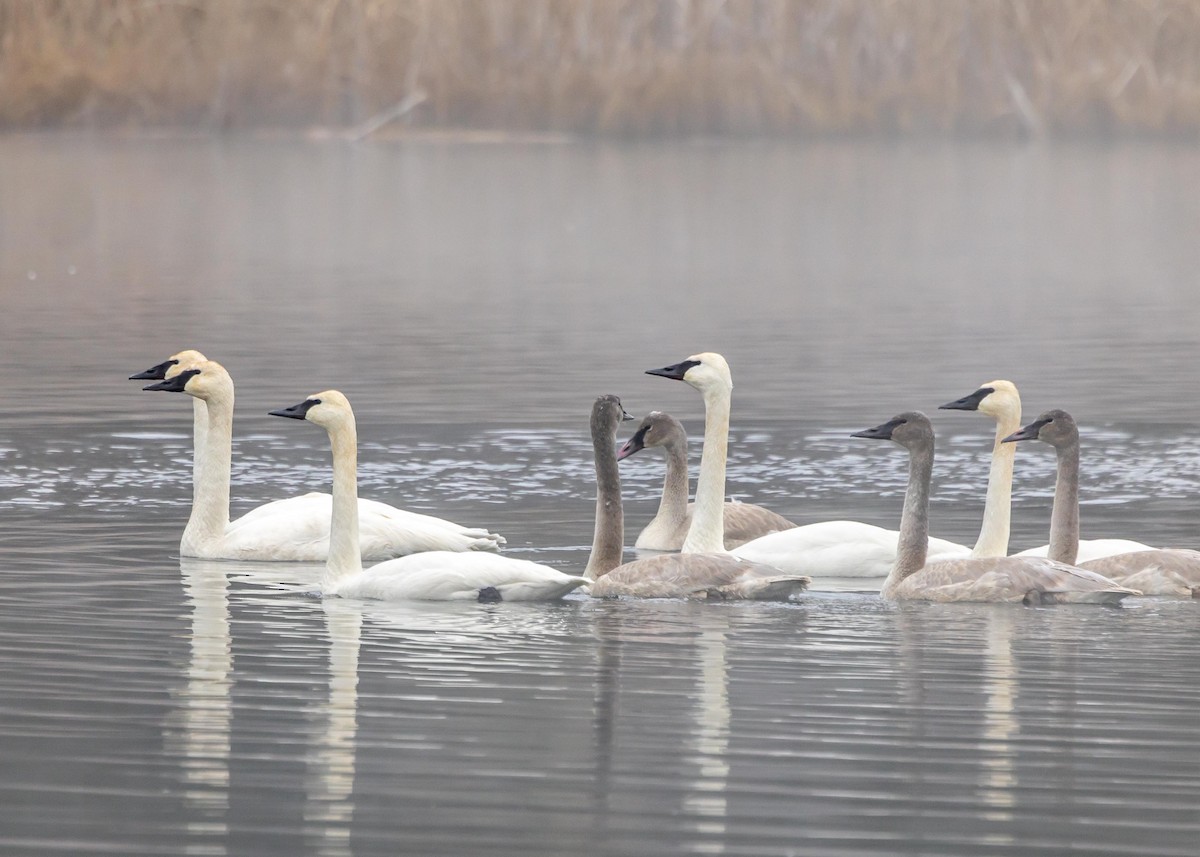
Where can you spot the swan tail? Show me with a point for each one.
(1095, 596)
(757, 589)
(542, 590)
(482, 540)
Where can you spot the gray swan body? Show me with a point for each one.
(668, 529)
(1151, 571)
(1030, 580)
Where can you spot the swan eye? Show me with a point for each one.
(312, 402)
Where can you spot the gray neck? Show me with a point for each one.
(210, 494)
(345, 555)
(672, 509)
(913, 546)
(608, 540)
(1064, 519)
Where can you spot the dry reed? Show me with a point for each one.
(609, 66)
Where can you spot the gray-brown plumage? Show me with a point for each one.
(1152, 572)
(1031, 580)
(668, 529)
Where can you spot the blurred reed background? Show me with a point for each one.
(606, 66)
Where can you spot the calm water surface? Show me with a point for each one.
(472, 301)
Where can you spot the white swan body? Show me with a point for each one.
(1029, 580)
(433, 576)
(1152, 572)
(295, 529)
(668, 529)
(703, 568)
(1001, 401)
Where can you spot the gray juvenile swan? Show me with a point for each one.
(1001, 401)
(668, 529)
(1032, 580)
(1153, 572)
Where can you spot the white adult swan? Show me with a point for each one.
(1153, 572)
(457, 576)
(1031, 580)
(1001, 401)
(827, 549)
(668, 529)
(431, 576)
(295, 529)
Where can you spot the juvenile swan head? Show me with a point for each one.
(1055, 427)
(657, 429)
(706, 371)
(910, 429)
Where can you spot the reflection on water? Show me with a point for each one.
(472, 301)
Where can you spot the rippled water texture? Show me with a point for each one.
(472, 300)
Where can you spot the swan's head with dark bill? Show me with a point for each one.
(176, 383)
(995, 398)
(657, 429)
(908, 429)
(1055, 427)
(171, 366)
(327, 409)
(703, 371)
(607, 414)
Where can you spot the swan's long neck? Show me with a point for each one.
(993, 535)
(1064, 519)
(199, 438)
(210, 491)
(345, 555)
(608, 540)
(913, 545)
(672, 508)
(707, 533)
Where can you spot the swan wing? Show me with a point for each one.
(746, 521)
(1090, 549)
(1009, 579)
(837, 549)
(449, 576)
(297, 529)
(698, 575)
(1153, 572)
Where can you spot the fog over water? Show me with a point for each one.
(472, 301)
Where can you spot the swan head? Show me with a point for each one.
(657, 429)
(607, 414)
(997, 399)
(911, 430)
(1055, 427)
(170, 367)
(329, 409)
(207, 381)
(705, 371)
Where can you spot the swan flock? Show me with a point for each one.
(708, 548)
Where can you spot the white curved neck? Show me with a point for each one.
(199, 438)
(913, 545)
(672, 508)
(210, 490)
(707, 533)
(345, 555)
(993, 535)
(1064, 517)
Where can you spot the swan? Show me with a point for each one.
(704, 568)
(826, 549)
(169, 368)
(295, 529)
(430, 576)
(1031, 580)
(743, 521)
(1154, 572)
(1001, 401)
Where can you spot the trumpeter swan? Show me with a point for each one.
(1153, 572)
(1001, 401)
(668, 529)
(295, 529)
(431, 576)
(1032, 580)
(826, 549)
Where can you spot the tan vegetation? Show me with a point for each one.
(611, 66)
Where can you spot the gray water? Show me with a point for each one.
(472, 301)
